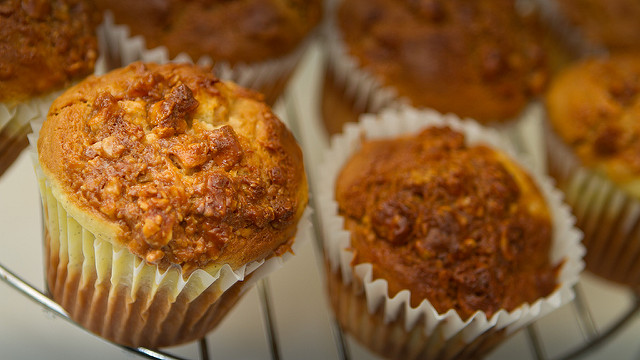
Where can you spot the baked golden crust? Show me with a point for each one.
(594, 107)
(477, 59)
(461, 226)
(233, 31)
(611, 23)
(175, 164)
(44, 45)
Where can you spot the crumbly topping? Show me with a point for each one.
(44, 45)
(193, 170)
(474, 58)
(448, 222)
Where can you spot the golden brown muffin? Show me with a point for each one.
(594, 106)
(244, 31)
(44, 45)
(593, 109)
(463, 227)
(179, 168)
(612, 24)
(476, 59)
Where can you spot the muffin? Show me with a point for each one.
(483, 60)
(165, 190)
(438, 242)
(597, 25)
(44, 46)
(255, 43)
(592, 147)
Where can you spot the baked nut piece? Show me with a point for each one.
(592, 147)
(187, 175)
(476, 59)
(44, 46)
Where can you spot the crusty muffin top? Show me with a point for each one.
(461, 226)
(176, 165)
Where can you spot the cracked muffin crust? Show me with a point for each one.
(462, 226)
(176, 165)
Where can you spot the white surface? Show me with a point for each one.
(302, 318)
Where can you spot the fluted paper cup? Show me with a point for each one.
(390, 325)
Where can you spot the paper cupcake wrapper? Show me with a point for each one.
(390, 338)
(608, 216)
(269, 77)
(360, 88)
(454, 332)
(14, 125)
(115, 294)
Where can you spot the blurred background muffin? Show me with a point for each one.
(592, 26)
(255, 43)
(593, 110)
(44, 47)
(166, 193)
(437, 244)
(478, 59)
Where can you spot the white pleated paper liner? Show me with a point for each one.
(268, 77)
(607, 214)
(566, 244)
(115, 294)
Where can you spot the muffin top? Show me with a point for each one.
(176, 165)
(477, 59)
(609, 23)
(44, 45)
(461, 226)
(240, 31)
(594, 106)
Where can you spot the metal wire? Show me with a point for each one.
(268, 318)
(293, 123)
(536, 344)
(600, 338)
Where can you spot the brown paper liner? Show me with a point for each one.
(608, 216)
(107, 309)
(390, 339)
(11, 145)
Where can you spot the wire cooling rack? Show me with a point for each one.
(592, 334)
